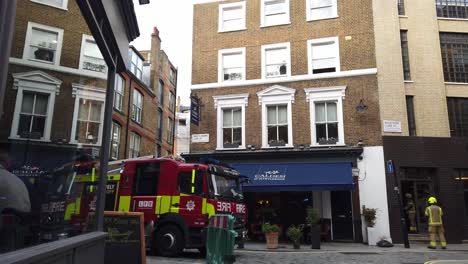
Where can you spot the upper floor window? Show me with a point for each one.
(88, 115)
(401, 7)
(172, 76)
(161, 92)
(458, 116)
(324, 55)
(276, 60)
(119, 92)
(454, 47)
(172, 101)
(134, 146)
(274, 12)
(231, 64)
(115, 140)
(326, 115)
(43, 43)
(276, 103)
(34, 107)
(136, 64)
(159, 124)
(231, 120)
(55, 3)
(405, 55)
(137, 106)
(91, 58)
(321, 9)
(231, 17)
(411, 115)
(170, 131)
(452, 8)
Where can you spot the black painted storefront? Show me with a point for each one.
(429, 166)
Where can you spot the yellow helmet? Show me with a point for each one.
(432, 200)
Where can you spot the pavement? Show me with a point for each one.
(341, 253)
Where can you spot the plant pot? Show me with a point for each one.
(315, 237)
(272, 240)
(372, 236)
(297, 245)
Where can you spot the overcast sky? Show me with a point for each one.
(174, 21)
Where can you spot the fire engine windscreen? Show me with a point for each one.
(226, 187)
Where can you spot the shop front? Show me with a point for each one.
(284, 183)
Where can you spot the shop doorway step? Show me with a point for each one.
(418, 238)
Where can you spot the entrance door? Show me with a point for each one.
(420, 191)
(342, 215)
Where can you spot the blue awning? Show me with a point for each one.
(287, 177)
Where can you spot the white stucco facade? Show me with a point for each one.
(373, 189)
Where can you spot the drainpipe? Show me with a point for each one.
(7, 27)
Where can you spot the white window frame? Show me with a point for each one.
(226, 102)
(222, 7)
(121, 80)
(137, 70)
(132, 145)
(221, 53)
(80, 91)
(326, 94)
(170, 131)
(27, 42)
(276, 95)
(36, 82)
(64, 5)
(262, 14)
(309, 7)
(84, 39)
(138, 118)
(115, 124)
(336, 48)
(265, 48)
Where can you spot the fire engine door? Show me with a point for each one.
(190, 184)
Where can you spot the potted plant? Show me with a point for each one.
(295, 234)
(313, 221)
(271, 234)
(370, 216)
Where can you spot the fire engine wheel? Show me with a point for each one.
(169, 241)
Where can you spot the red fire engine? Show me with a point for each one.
(178, 199)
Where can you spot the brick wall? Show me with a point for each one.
(355, 20)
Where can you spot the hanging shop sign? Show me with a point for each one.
(194, 110)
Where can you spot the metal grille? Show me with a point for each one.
(405, 55)
(452, 8)
(401, 7)
(454, 48)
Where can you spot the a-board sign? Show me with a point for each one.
(125, 242)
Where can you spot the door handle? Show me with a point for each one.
(176, 205)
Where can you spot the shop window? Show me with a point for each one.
(115, 140)
(119, 92)
(326, 115)
(274, 12)
(134, 146)
(231, 120)
(88, 115)
(43, 43)
(276, 60)
(137, 106)
(231, 64)
(321, 9)
(324, 55)
(231, 17)
(91, 58)
(190, 183)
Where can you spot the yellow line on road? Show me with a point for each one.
(446, 261)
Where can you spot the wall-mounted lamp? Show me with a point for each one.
(361, 107)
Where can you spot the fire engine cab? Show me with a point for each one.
(178, 199)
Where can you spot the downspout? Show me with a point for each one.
(7, 26)
(175, 113)
(130, 94)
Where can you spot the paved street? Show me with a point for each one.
(349, 254)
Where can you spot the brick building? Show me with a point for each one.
(422, 54)
(289, 96)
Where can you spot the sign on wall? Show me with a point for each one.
(194, 110)
(392, 126)
(200, 138)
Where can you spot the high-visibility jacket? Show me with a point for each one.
(434, 213)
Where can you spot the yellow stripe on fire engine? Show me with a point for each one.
(124, 204)
(157, 209)
(175, 204)
(165, 204)
(204, 206)
(210, 210)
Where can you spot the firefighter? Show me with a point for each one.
(411, 212)
(434, 214)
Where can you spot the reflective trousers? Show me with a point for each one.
(433, 232)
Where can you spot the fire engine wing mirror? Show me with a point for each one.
(245, 180)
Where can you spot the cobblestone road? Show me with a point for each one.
(259, 257)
